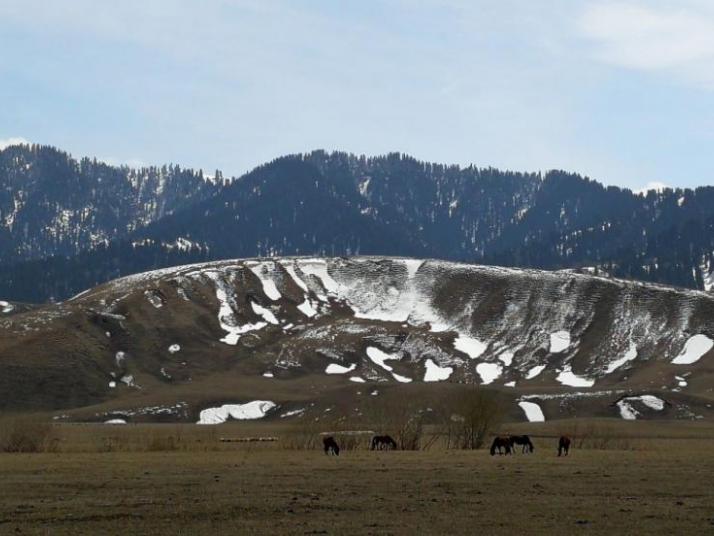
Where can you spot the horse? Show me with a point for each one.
(382, 442)
(523, 440)
(500, 443)
(563, 445)
(331, 446)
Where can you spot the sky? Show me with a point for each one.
(620, 91)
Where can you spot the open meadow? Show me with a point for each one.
(620, 478)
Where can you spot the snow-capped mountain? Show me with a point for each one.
(314, 330)
(68, 225)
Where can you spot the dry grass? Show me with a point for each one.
(267, 489)
(27, 433)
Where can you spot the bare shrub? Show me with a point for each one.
(352, 439)
(307, 434)
(27, 433)
(403, 419)
(470, 416)
(596, 436)
(163, 442)
(304, 435)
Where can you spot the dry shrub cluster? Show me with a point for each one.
(463, 420)
(596, 436)
(307, 434)
(403, 419)
(470, 416)
(27, 433)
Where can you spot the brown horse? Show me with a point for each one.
(563, 445)
(524, 441)
(331, 446)
(500, 444)
(382, 442)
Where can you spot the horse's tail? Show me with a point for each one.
(493, 447)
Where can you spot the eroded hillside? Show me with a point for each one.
(311, 333)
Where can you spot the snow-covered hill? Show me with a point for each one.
(559, 342)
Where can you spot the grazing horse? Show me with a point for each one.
(382, 442)
(331, 446)
(563, 445)
(500, 443)
(523, 440)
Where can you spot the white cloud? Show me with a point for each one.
(654, 37)
(7, 142)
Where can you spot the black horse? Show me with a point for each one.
(563, 445)
(500, 444)
(524, 441)
(382, 442)
(331, 446)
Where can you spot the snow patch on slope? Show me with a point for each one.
(334, 368)
(267, 314)
(269, 288)
(307, 309)
(392, 306)
(559, 341)
(154, 298)
(693, 350)
(115, 421)
(535, 371)
(226, 312)
(488, 372)
(532, 411)
(506, 358)
(435, 373)
(379, 358)
(629, 413)
(290, 269)
(471, 346)
(257, 409)
(630, 355)
(318, 268)
(568, 377)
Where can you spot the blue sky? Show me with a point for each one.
(622, 91)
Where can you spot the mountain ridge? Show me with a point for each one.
(340, 204)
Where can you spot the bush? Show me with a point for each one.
(596, 436)
(403, 419)
(308, 434)
(470, 416)
(26, 434)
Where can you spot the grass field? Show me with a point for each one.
(652, 478)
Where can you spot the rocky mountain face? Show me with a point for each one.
(67, 225)
(316, 333)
